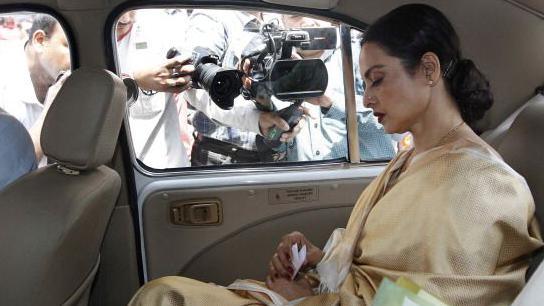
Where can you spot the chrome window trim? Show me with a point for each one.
(349, 92)
(143, 178)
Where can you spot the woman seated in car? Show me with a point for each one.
(448, 214)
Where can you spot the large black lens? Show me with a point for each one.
(223, 85)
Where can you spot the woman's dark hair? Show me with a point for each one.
(409, 31)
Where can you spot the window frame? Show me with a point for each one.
(343, 21)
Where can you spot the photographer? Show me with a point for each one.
(225, 136)
(158, 119)
(321, 135)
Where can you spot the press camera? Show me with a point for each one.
(273, 72)
(223, 85)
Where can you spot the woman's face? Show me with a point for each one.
(397, 97)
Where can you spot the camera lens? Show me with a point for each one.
(223, 85)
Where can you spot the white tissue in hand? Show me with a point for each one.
(297, 258)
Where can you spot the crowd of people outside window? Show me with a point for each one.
(172, 125)
(15, 27)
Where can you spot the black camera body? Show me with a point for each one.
(274, 73)
(223, 85)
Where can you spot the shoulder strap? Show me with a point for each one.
(495, 136)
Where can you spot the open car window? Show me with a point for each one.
(35, 54)
(266, 88)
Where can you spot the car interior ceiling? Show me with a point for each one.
(509, 50)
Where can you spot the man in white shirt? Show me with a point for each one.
(225, 136)
(157, 124)
(29, 74)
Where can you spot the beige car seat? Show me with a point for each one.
(52, 220)
(522, 148)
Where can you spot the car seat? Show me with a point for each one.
(521, 148)
(17, 155)
(52, 220)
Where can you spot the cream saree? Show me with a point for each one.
(458, 222)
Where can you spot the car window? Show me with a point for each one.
(374, 144)
(35, 56)
(266, 88)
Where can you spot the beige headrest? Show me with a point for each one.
(81, 127)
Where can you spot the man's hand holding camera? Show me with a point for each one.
(174, 76)
(269, 120)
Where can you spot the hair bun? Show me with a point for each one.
(471, 90)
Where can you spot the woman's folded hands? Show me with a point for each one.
(280, 269)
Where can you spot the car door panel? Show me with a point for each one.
(252, 219)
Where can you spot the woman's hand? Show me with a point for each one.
(280, 264)
(290, 289)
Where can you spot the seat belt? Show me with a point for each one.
(495, 136)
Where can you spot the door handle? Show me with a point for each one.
(197, 212)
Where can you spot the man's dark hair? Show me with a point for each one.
(42, 22)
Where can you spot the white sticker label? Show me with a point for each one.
(293, 195)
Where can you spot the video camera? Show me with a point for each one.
(272, 70)
(274, 73)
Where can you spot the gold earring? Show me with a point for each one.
(429, 80)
